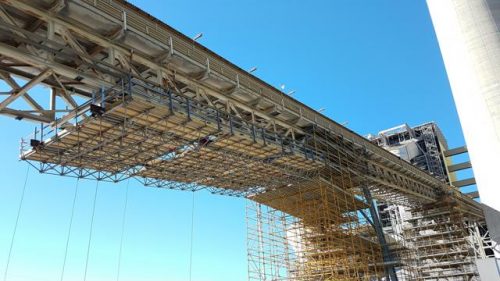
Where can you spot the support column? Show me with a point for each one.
(386, 253)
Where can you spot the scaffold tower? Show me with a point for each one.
(132, 98)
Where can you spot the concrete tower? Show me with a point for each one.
(469, 39)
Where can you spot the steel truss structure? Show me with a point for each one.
(131, 97)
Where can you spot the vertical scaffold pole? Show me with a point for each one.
(103, 97)
(231, 125)
(188, 109)
(253, 133)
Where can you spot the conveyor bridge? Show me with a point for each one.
(130, 97)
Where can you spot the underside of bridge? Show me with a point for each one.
(130, 97)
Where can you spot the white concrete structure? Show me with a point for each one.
(469, 39)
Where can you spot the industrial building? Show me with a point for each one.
(131, 97)
(423, 146)
(426, 147)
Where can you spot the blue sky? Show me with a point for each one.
(373, 64)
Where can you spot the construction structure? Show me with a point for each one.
(469, 38)
(442, 249)
(130, 97)
(423, 146)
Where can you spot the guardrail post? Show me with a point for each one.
(218, 120)
(170, 104)
(231, 125)
(188, 108)
(253, 133)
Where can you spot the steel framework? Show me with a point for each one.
(132, 97)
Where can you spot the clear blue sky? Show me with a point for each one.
(375, 64)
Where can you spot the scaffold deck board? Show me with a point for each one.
(166, 146)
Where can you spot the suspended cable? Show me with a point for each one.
(122, 232)
(69, 229)
(91, 228)
(192, 238)
(15, 225)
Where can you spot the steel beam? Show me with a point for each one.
(16, 93)
(377, 225)
(459, 166)
(20, 115)
(407, 175)
(455, 151)
(473, 194)
(13, 84)
(462, 183)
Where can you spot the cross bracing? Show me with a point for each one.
(132, 97)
